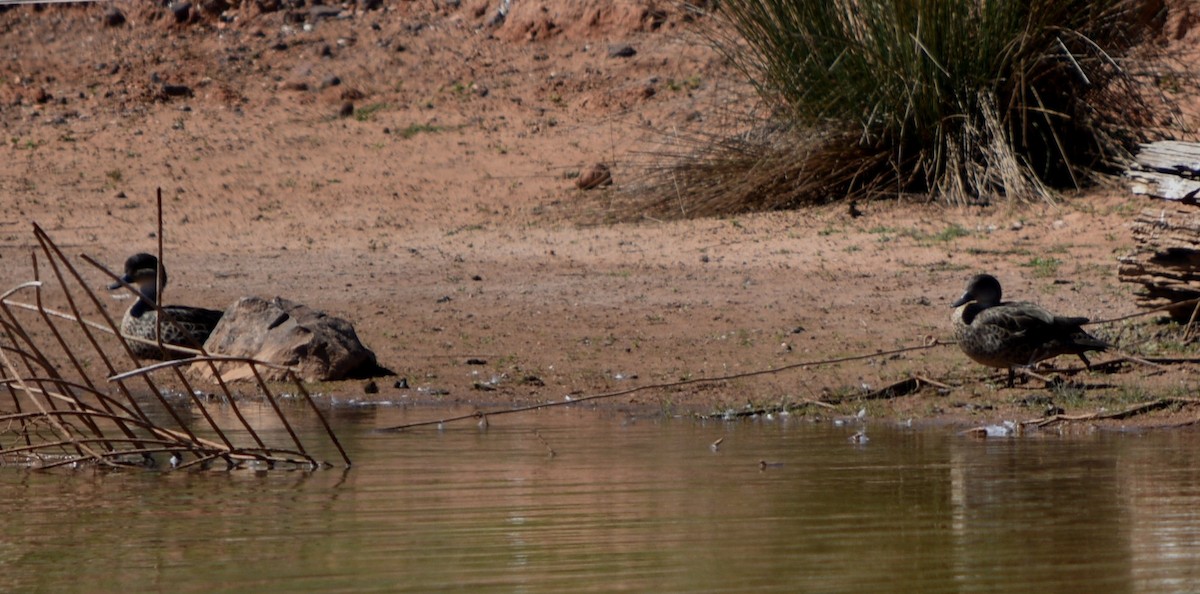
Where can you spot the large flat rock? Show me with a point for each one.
(319, 347)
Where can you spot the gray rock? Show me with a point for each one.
(318, 346)
(320, 11)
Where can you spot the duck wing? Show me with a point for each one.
(1017, 318)
(197, 322)
(1046, 334)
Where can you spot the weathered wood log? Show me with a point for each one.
(1169, 170)
(1166, 260)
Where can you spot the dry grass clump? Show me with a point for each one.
(968, 100)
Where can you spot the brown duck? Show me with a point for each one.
(1015, 334)
(182, 325)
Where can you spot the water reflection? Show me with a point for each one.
(633, 505)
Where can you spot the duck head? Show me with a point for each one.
(983, 289)
(141, 271)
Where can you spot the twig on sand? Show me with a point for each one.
(667, 385)
(1133, 411)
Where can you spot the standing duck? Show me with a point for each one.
(1011, 334)
(182, 325)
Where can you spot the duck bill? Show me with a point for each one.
(962, 300)
(117, 285)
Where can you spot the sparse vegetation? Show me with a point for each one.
(1043, 267)
(415, 129)
(951, 233)
(364, 114)
(114, 177)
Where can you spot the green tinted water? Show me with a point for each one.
(629, 505)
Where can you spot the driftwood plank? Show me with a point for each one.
(1169, 170)
(1163, 185)
(1170, 156)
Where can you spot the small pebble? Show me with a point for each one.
(621, 51)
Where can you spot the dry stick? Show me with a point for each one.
(234, 455)
(699, 380)
(1187, 330)
(1132, 411)
(62, 343)
(235, 459)
(187, 385)
(178, 372)
(933, 383)
(320, 417)
(17, 337)
(16, 400)
(189, 388)
(12, 392)
(178, 436)
(47, 245)
(26, 357)
(58, 427)
(1164, 308)
(197, 359)
(55, 255)
(203, 460)
(58, 314)
(97, 326)
(212, 359)
(1194, 302)
(82, 440)
(158, 278)
(278, 413)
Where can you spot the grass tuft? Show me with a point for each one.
(967, 100)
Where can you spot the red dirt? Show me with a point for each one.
(442, 218)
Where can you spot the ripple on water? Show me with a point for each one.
(629, 504)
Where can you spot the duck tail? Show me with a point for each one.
(1087, 342)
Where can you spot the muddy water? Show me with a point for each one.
(634, 505)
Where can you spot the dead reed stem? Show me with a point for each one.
(61, 416)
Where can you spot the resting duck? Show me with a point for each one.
(1008, 335)
(182, 325)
